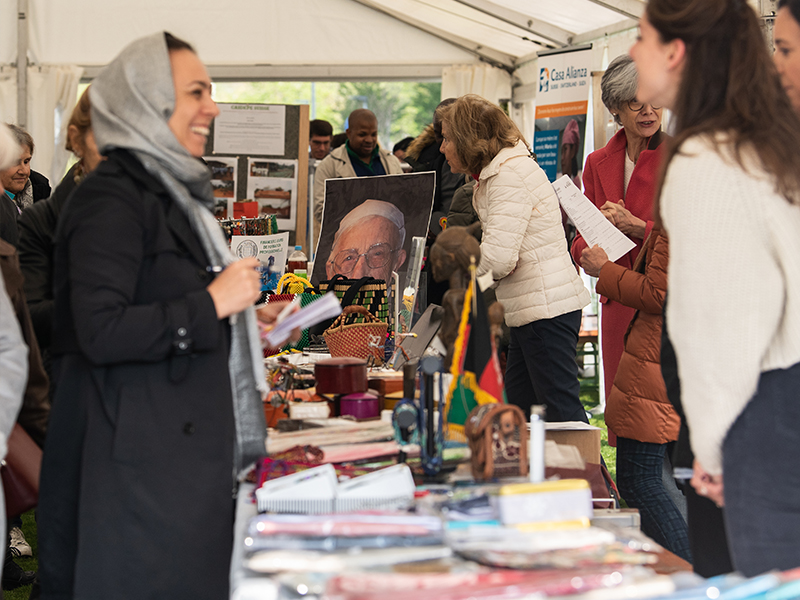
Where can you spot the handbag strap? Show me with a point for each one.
(350, 310)
(352, 291)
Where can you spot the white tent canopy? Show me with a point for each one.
(482, 46)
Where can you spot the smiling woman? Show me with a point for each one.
(150, 453)
(194, 109)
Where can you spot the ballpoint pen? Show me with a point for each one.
(220, 269)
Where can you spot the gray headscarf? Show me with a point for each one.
(132, 101)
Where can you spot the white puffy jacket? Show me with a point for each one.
(521, 222)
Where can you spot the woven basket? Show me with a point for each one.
(359, 340)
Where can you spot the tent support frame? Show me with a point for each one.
(22, 63)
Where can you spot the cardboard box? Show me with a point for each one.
(586, 438)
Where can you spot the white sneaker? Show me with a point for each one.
(18, 542)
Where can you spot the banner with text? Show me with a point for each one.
(561, 104)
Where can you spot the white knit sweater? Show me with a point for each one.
(733, 308)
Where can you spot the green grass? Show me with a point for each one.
(590, 399)
(26, 562)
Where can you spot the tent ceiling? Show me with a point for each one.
(318, 39)
(510, 31)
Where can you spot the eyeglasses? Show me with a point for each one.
(637, 106)
(377, 256)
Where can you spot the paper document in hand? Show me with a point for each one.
(591, 223)
(326, 307)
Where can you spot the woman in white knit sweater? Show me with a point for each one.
(525, 249)
(729, 201)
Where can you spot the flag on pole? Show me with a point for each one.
(477, 378)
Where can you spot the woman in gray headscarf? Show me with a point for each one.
(158, 362)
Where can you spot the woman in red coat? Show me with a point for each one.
(620, 179)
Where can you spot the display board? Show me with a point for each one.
(278, 182)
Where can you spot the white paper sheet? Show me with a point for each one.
(591, 223)
(326, 307)
(250, 129)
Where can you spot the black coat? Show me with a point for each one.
(9, 214)
(142, 360)
(37, 232)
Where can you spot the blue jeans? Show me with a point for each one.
(541, 367)
(639, 478)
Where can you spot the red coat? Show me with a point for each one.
(604, 181)
(637, 407)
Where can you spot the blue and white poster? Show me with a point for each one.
(561, 103)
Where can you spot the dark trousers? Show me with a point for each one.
(542, 369)
(59, 491)
(707, 537)
(639, 478)
(762, 478)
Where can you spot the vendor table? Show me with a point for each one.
(246, 585)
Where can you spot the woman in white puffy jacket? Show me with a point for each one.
(525, 249)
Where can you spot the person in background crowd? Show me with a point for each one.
(361, 156)
(37, 224)
(319, 138)
(13, 368)
(638, 409)
(13, 373)
(338, 140)
(149, 435)
(33, 414)
(786, 36)
(524, 248)
(733, 313)
(401, 147)
(424, 154)
(620, 179)
(35, 410)
(37, 228)
(22, 186)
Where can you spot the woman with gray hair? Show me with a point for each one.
(620, 179)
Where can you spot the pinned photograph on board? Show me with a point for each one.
(368, 223)
(273, 185)
(223, 183)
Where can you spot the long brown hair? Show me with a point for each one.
(479, 130)
(81, 118)
(729, 84)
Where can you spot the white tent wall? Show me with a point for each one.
(485, 80)
(301, 34)
(8, 31)
(52, 91)
(472, 45)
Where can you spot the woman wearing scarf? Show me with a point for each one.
(157, 361)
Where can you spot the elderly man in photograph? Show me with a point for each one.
(359, 157)
(369, 242)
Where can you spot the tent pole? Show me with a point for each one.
(22, 63)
